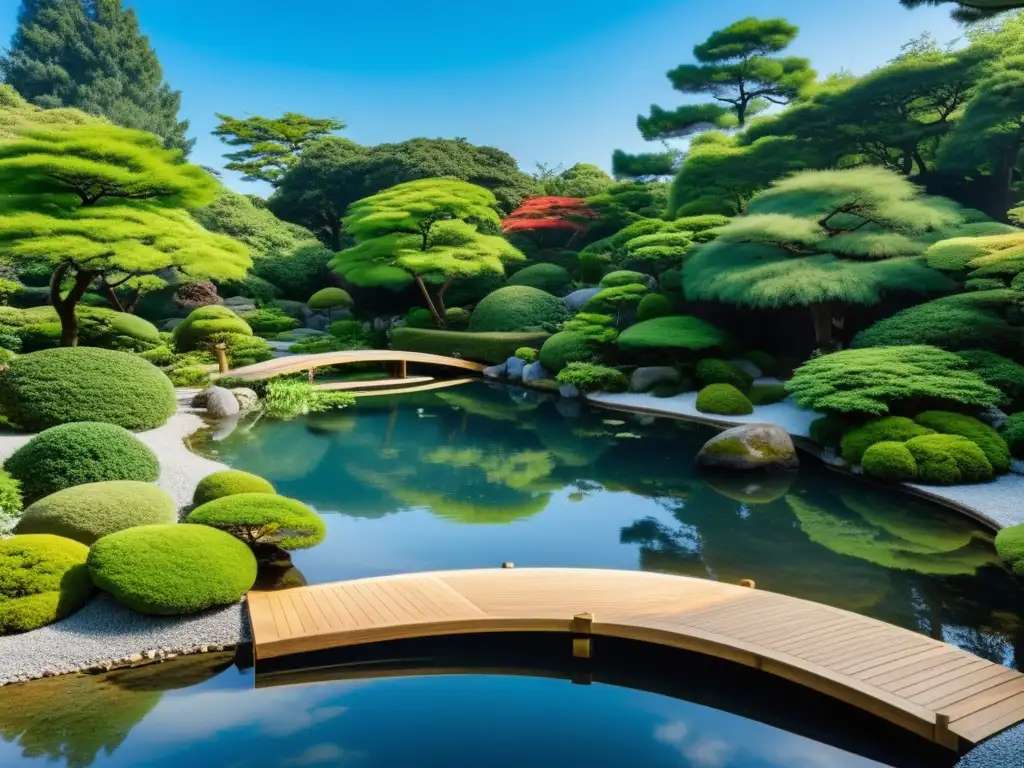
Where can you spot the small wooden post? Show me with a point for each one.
(943, 735)
(401, 369)
(221, 350)
(309, 374)
(582, 625)
(748, 583)
(508, 564)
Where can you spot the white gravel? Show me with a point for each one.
(1005, 750)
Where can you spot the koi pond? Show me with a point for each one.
(479, 474)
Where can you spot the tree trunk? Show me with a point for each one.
(65, 306)
(112, 297)
(821, 316)
(440, 299)
(438, 320)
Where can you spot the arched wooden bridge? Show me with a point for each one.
(928, 687)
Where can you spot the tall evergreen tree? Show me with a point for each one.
(90, 54)
(970, 10)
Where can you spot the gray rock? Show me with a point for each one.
(514, 369)
(577, 299)
(569, 390)
(994, 417)
(171, 323)
(239, 304)
(221, 403)
(643, 379)
(305, 332)
(496, 371)
(199, 399)
(247, 398)
(535, 372)
(317, 323)
(747, 367)
(764, 447)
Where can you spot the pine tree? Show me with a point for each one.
(425, 231)
(970, 10)
(90, 54)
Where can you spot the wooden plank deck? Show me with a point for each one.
(296, 363)
(928, 687)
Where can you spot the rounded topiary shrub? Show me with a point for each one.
(88, 512)
(622, 277)
(527, 354)
(1012, 432)
(518, 308)
(76, 454)
(723, 399)
(229, 482)
(330, 298)
(1010, 546)
(547, 277)
(589, 377)
(263, 519)
(43, 578)
(566, 347)
(57, 386)
(714, 371)
(949, 423)
(949, 460)
(889, 461)
(653, 305)
(192, 332)
(888, 428)
(172, 569)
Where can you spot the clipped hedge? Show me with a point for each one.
(172, 569)
(57, 386)
(270, 320)
(80, 453)
(714, 371)
(483, 347)
(330, 298)
(43, 578)
(623, 277)
(88, 512)
(545, 277)
(949, 460)
(889, 461)
(229, 482)
(886, 429)
(202, 323)
(653, 305)
(517, 308)
(263, 518)
(588, 377)
(1010, 546)
(723, 399)
(616, 299)
(566, 347)
(679, 333)
(948, 423)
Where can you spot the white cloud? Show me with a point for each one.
(671, 733)
(710, 753)
(318, 754)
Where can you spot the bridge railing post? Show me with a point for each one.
(582, 627)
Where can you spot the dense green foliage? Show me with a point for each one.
(202, 323)
(1002, 373)
(229, 482)
(88, 512)
(723, 399)
(172, 569)
(616, 301)
(270, 321)
(1013, 433)
(74, 454)
(714, 371)
(653, 305)
(948, 460)
(590, 377)
(285, 398)
(887, 429)
(11, 503)
(622, 277)
(889, 461)
(567, 347)
(550, 278)
(677, 333)
(827, 431)
(56, 386)
(43, 578)
(330, 298)
(490, 348)
(767, 393)
(879, 379)
(263, 518)
(518, 308)
(270, 145)
(1010, 546)
(527, 354)
(979, 433)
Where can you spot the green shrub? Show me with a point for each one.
(162, 355)
(527, 354)
(599, 328)
(827, 431)
(270, 320)
(347, 329)
(1002, 373)
(418, 317)
(766, 394)
(979, 433)
(1012, 432)
(172, 569)
(653, 305)
(88, 512)
(6, 356)
(566, 347)
(483, 347)
(623, 277)
(767, 363)
(673, 334)
(877, 379)
(886, 429)
(192, 332)
(714, 371)
(1009, 545)
(588, 377)
(330, 298)
(10, 501)
(56, 386)
(949, 460)
(288, 398)
(97, 327)
(42, 579)
(315, 345)
(188, 376)
(263, 518)
(723, 399)
(889, 461)
(518, 308)
(546, 277)
(74, 454)
(617, 299)
(457, 319)
(229, 482)
(242, 349)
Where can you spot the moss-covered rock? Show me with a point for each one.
(765, 447)
(723, 399)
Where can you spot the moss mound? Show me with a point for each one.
(518, 308)
(263, 518)
(172, 569)
(76, 454)
(653, 305)
(550, 278)
(483, 347)
(622, 277)
(228, 483)
(949, 460)
(723, 399)
(330, 298)
(566, 347)
(57, 386)
(676, 333)
(194, 331)
(889, 461)
(88, 512)
(1010, 546)
(767, 393)
(715, 371)
(948, 423)
(888, 428)
(43, 578)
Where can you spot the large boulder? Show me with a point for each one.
(764, 447)
(514, 369)
(577, 299)
(535, 372)
(220, 402)
(644, 378)
(247, 398)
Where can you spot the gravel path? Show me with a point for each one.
(997, 503)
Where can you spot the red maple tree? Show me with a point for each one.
(548, 212)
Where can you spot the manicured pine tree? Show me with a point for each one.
(425, 231)
(970, 10)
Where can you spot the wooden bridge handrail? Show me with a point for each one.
(296, 363)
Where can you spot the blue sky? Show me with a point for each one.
(559, 81)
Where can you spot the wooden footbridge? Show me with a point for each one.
(397, 360)
(928, 687)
